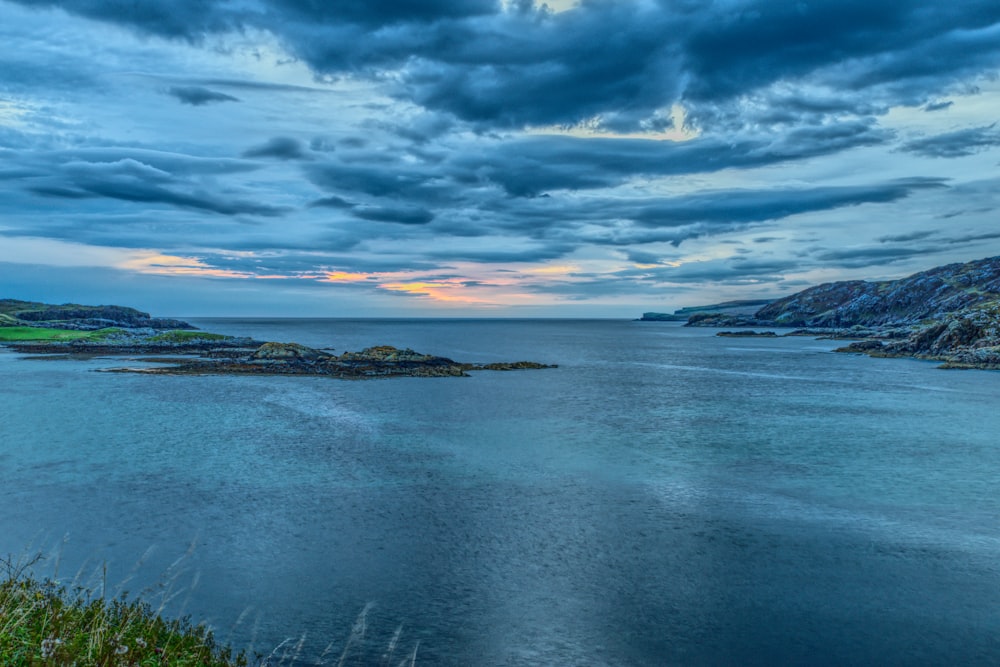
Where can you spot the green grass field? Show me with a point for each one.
(181, 336)
(39, 334)
(28, 334)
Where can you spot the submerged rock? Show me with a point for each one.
(511, 366)
(747, 334)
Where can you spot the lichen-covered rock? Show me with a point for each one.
(270, 352)
(386, 353)
(865, 346)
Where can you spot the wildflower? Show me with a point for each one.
(121, 649)
(49, 647)
(140, 642)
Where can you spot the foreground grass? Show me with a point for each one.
(42, 623)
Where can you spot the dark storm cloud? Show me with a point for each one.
(497, 188)
(332, 202)
(530, 166)
(398, 214)
(903, 238)
(377, 13)
(870, 255)
(133, 181)
(496, 255)
(243, 84)
(186, 19)
(735, 206)
(749, 44)
(972, 238)
(963, 212)
(938, 106)
(377, 180)
(621, 63)
(179, 164)
(281, 148)
(198, 96)
(956, 144)
(642, 257)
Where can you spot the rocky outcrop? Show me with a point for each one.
(930, 295)
(286, 352)
(949, 313)
(293, 359)
(969, 338)
(85, 318)
(388, 354)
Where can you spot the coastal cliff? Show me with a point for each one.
(75, 317)
(949, 313)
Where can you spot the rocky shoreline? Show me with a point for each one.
(167, 349)
(949, 314)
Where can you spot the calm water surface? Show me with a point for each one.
(663, 497)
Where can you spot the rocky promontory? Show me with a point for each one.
(71, 316)
(731, 308)
(177, 348)
(949, 313)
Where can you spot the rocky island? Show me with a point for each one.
(178, 348)
(949, 313)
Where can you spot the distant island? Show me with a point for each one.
(177, 348)
(728, 307)
(949, 313)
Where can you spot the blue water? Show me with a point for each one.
(663, 497)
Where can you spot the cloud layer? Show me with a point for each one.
(504, 153)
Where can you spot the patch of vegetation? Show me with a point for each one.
(41, 623)
(181, 336)
(13, 306)
(104, 334)
(17, 334)
(7, 321)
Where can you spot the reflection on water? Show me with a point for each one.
(664, 497)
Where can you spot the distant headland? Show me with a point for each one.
(949, 313)
(177, 348)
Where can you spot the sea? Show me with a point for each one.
(664, 497)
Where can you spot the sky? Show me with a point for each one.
(489, 158)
